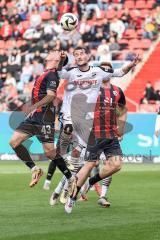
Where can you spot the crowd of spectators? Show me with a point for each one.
(30, 28)
(151, 95)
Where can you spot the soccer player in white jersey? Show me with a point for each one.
(80, 97)
(157, 124)
(81, 93)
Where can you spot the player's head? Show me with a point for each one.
(53, 59)
(81, 55)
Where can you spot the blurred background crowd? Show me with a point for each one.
(113, 30)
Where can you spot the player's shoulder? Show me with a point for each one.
(71, 69)
(117, 89)
(103, 69)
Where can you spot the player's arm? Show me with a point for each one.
(63, 61)
(124, 70)
(131, 65)
(157, 125)
(46, 100)
(121, 115)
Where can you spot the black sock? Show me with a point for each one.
(51, 170)
(23, 154)
(75, 197)
(60, 163)
(94, 179)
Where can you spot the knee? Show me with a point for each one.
(13, 143)
(50, 153)
(118, 165)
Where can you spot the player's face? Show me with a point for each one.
(53, 59)
(81, 57)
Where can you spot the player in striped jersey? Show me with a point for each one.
(40, 120)
(103, 138)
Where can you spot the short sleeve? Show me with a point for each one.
(52, 81)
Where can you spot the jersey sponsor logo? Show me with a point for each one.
(85, 82)
(115, 93)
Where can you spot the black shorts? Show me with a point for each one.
(110, 147)
(40, 126)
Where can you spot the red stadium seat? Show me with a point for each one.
(140, 33)
(25, 24)
(141, 4)
(130, 33)
(144, 13)
(129, 4)
(2, 44)
(145, 44)
(149, 4)
(10, 44)
(134, 43)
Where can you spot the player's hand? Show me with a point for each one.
(136, 60)
(63, 55)
(28, 110)
(120, 138)
(157, 133)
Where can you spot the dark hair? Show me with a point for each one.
(82, 48)
(106, 64)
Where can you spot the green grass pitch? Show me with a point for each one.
(134, 214)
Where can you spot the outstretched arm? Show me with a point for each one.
(122, 71)
(131, 65)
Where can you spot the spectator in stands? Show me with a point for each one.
(149, 94)
(126, 18)
(4, 71)
(26, 75)
(92, 5)
(10, 80)
(118, 27)
(35, 19)
(14, 62)
(37, 68)
(114, 47)
(3, 55)
(103, 53)
(157, 95)
(149, 27)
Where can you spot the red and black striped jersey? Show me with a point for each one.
(48, 80)
(105, 116)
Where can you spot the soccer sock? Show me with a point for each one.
(64, 141)
(23, 154)
(60, 185)
(60, 163)
(105, 186)
(94, 179)
(75, 197)
(51, 170)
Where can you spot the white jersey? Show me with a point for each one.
(87, 83)
(80, 97)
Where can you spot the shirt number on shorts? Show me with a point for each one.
(46, 129)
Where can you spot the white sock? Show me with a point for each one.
(47, 181)
(104, 191)
(60, 185)
(34, 168)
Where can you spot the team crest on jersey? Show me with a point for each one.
(93, 74)
(115, 93)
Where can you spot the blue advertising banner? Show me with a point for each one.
(139, 141)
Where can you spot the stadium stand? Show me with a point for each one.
(114, 30)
